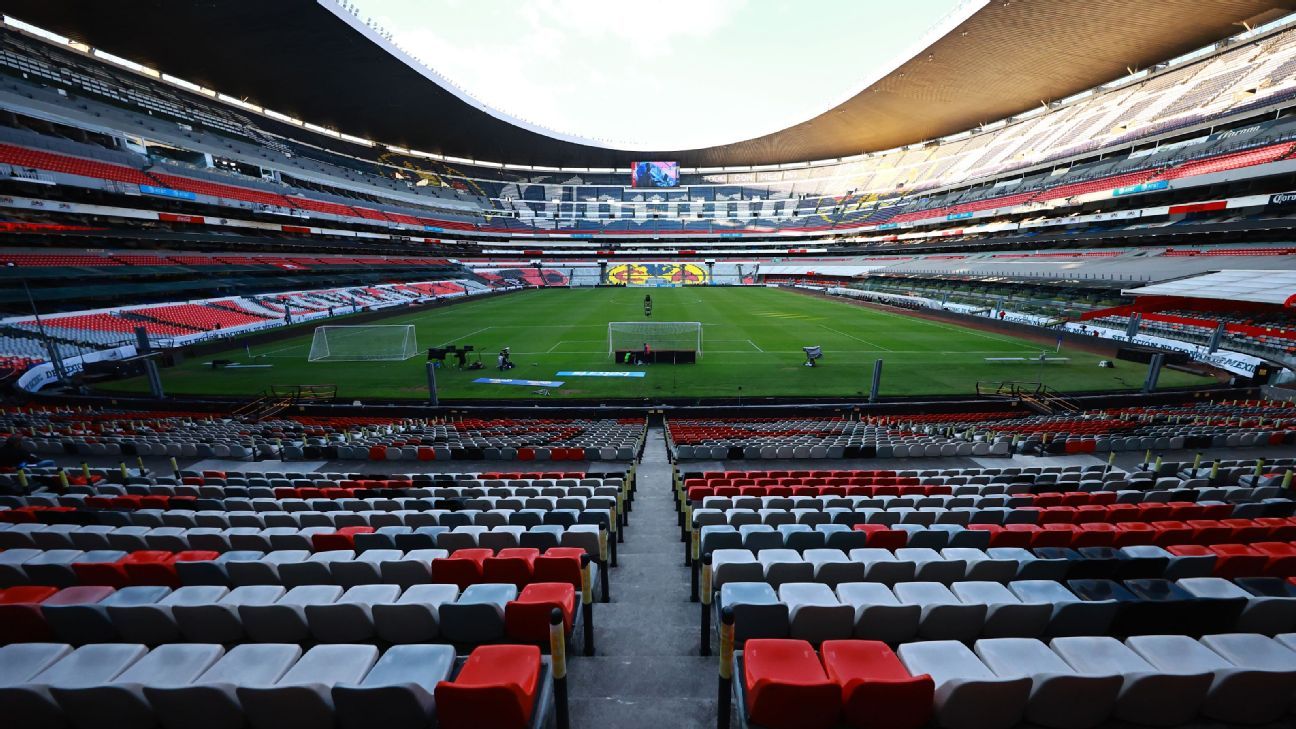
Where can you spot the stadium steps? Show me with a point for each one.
(266, 406)
(647, 673)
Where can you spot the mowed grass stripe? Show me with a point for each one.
(565, 329)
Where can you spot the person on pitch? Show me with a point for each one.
(647, 353)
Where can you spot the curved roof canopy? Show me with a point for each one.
(300, 58)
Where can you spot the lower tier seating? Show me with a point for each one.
(156, 615)
(997, 683)
(273, 686)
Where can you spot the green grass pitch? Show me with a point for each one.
(751, 340)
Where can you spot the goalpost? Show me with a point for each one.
(661, 336)
(376, 343)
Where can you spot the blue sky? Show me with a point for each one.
(667, 74)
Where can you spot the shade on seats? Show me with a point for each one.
(1060, 695)
(210, 701)
(1006, 615)
(302, 698)
(220, 622)
(120, 702)
(32, 705)
(786, 686)
(757, 611)
(968, 694)
(154, 623)
(414, 616)
(1236, 694)
(284, 621)
(944, 616)
(21, 661)
(1148, 695)
(815, 613)
(879, 615)
(496, 687)
(478, 615)
(1264, 657)
(877, 691)
(398, 692)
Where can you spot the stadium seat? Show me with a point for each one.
(497, 686)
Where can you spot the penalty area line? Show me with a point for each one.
(878, 347)
(465, 336)
(757, 346)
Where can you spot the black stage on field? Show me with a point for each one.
(664, 356)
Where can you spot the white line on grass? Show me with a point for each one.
(275, 352)
(757, 346)
(852, 336)
(469, 334)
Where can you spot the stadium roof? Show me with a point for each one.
(1263, 287)
(301, 59)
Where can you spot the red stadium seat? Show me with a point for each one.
(559, 564)
(463, 567)
(786, 685)
(21, 620)
(514, 565)
(877, 691)
(878, 535)
(527, 618)
(496, 688)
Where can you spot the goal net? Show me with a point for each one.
(661, 336)
(377, 343)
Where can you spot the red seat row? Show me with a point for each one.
(1116, 513)
(872, 476)
(143, 567)
(1261, 559)
(788, 686)
(518, 566)
(699, 492)
(1204, 532)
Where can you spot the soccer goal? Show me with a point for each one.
(662, 337)
(377, 343)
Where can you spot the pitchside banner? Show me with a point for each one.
(602, 374)
(528, 383)
(1283, 199)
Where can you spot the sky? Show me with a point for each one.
(658, 74)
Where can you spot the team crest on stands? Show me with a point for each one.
(657, 274)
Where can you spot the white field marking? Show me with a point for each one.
(275, 352)
(556, 345)
(469, 334)
(750, 353)
(864, 341)
(547, 326)
(758, 349)
(961, 330)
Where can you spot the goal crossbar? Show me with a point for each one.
(661, 336)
